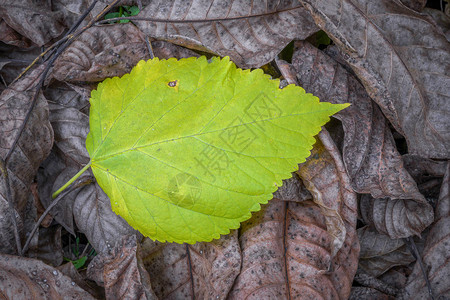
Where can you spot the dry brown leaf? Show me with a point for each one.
(94, 217)
(199, 271)
(442, 20)
(416, 5)
(122, 272)
(369, 153)
(252, 34)
(101, 52)
(34, 20)
(363, 293)
(436, 254)
(48, 246)
(32, 148)
(11, 37)
(403, 61)
(25, 278)
(379, 252)
(287, 247)
(70, 271)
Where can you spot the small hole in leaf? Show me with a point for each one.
(173, 83)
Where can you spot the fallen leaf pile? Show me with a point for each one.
(365, 217)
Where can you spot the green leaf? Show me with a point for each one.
(187, 149)
(79, 263)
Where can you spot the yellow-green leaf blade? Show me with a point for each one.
(187, 149)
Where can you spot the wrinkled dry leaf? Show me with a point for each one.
(13, 61)
(369, 153)
(101, 52)
(167, 50)
(416, 5)
(364, 293)
(122, 272)
(324, 176)
(34, 20)
(33, 147)
(436, 255)
(64, 95)
(11, 37)
(25, 278)
(403, 61)
(72, 10)
(379, 252)
(199, 271)
(287, 247)
(442, 20)
(251, 34)
(71, 128)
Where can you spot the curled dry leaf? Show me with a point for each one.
(379, 252)
(35, 21)
(101, 52)
(436, 254)
(287, 247)
(32, 148)
(369, 153)
(199, 271)
(25, 278)
(124, 275)
(405, 71)
(252, 34)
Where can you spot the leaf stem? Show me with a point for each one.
(55, 194)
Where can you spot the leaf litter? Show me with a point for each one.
(386, 156)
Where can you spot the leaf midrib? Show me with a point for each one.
(97, 159)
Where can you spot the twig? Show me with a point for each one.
(12, 211)
(81, 182)
(413, 248)
(149, 47)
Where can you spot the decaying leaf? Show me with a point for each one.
(25, 278)
(369, 153)
(36, 21)
(32, 148)
(181, 179)
(379, 252)
(200, 271)
(436, 254)
(364, 293)
(122, 272)
(403, 61)
(416, 5)
(124, 275)
(251, 34)
(287, 247)
(101, 52)
(12, 37)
